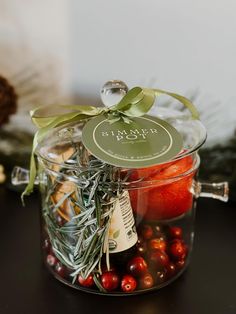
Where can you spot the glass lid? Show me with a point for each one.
(63, 145)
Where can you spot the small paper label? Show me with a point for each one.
(143, 142)
(122, 232)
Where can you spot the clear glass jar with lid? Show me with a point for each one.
(116, 230)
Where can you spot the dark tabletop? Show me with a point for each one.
(208, 286)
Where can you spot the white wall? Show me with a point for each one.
(183, 46)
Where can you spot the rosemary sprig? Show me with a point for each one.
(83, 240)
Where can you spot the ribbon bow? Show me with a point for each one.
(137, 102)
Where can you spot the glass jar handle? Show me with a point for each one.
(21, 176)
(219, 191)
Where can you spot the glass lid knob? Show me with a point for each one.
(112, 92)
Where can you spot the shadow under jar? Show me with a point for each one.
(117, 231)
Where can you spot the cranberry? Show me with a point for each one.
(178, 250)
(86, 282)
(158, 259)
(146, 232)
(161, 276)
(110, 280)
(51, 260)
(158, 231)
(157, 244)
(128, 283)
(141, 247)
(137, 266)
(180, 264)
(60, 269)
(146, 281)
(170, 270)
(176, 232)
(47, 245)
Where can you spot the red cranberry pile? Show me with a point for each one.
(159, 255)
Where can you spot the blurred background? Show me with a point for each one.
(63, 51)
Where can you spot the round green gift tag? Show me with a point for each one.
(143, 142)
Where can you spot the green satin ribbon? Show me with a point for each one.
(137, 102)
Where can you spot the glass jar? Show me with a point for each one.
(111, 230)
